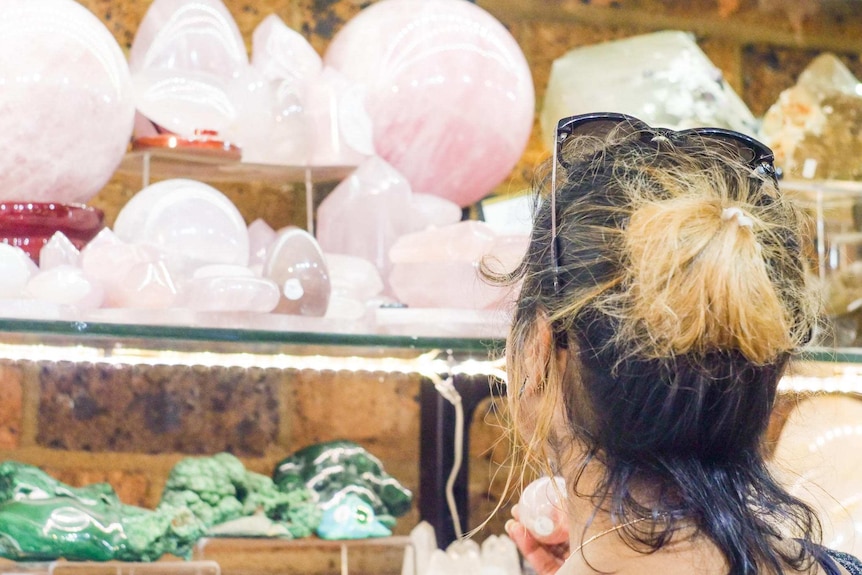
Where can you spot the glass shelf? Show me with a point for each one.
(127, 344)
(838, 369)
(173, 163)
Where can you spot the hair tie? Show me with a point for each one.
(742, 219)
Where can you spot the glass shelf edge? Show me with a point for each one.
(116, 344)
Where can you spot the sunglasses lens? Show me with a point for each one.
(597, 127)
(745, 152)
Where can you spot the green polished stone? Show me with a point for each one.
(44, 519)
(337, 469)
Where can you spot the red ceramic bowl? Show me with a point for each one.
(29, 225)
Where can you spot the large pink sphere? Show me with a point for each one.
(66, 109)
(448, 90)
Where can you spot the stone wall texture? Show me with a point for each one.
(86, 423)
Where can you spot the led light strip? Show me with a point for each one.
(847, 383)
(434, 362)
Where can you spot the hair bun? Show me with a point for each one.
(698, 281)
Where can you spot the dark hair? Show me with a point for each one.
(680, 321)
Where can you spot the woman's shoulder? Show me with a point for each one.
(851, 563)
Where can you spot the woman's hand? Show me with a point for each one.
(545, 553)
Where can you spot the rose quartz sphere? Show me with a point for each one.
(448, 90)
(66, 108)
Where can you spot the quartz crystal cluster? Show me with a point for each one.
(663, 78)
(496, 555)
(815, 127)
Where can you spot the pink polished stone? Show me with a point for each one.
(448, 90)
(364, 215)
(296, 264)
(430, 210)
(439, 267)
(187, 219)
(188, 35)
(66, 109)
(228, 289)
(67, 285)
(454, 284)
(464, 241)
(289, 63)
(353, 277)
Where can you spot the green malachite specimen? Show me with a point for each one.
(219, 489)
(337, 469)
(44, 519)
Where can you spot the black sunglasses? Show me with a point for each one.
(601, 124)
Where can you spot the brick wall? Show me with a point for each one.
(128, 426)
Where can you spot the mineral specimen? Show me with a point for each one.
(338, 469)
(219, 489)
(44, 519)
(663, 78)
(815, 127)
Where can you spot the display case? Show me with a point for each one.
(134, 384)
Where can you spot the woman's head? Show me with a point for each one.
(663, 292)
(668, 269)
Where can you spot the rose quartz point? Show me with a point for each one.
(57, 251)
